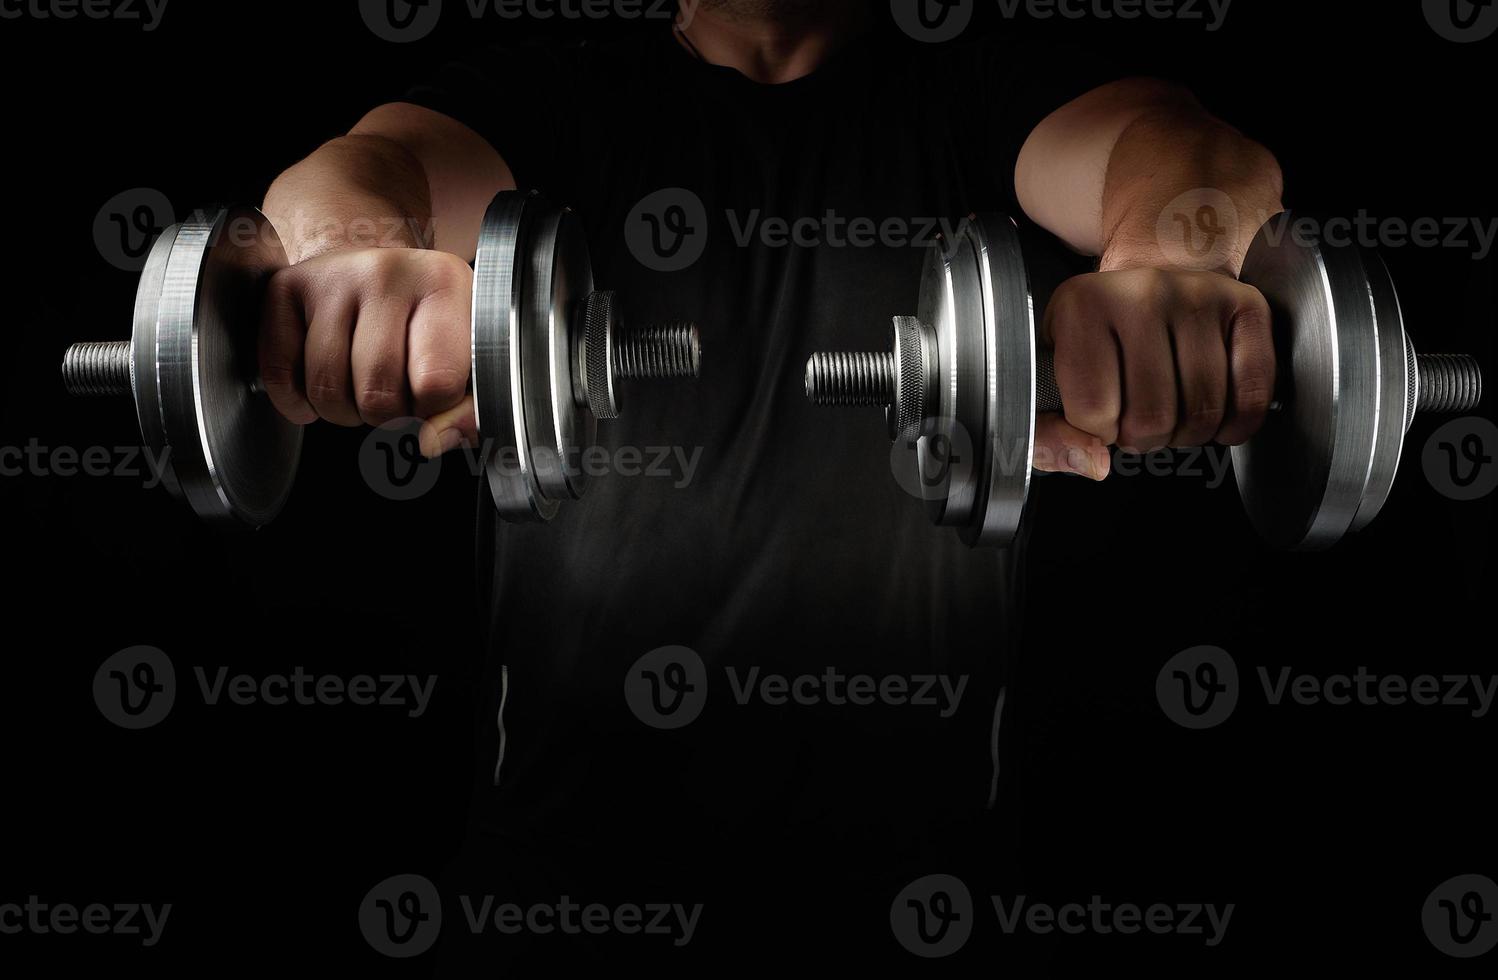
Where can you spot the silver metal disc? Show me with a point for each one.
(195, 358)
(1304, 476)
(975, 295)
(1009, 311)
(1396, 402)
(499, 302)
(950, 456)
(559, 279)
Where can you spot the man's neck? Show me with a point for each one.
(767, 47)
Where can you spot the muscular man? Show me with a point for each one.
(785, 558)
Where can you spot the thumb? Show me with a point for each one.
(1063, 448)
(446, 431)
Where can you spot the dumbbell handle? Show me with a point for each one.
(1446, 383)
(650, 352)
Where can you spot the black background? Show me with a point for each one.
(1326, 826)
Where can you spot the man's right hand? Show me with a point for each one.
(365, 336)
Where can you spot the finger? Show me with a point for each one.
(1202, 368)
(330, 385)
(446, 431)
(1063, 448)
(1151, 396)
(1086, 360)
(283, 332)
(439, 359)
(378, 360)
(1251, 369)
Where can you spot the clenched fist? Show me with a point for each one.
(364, 336)
(1149, 358)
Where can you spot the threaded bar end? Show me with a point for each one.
(658, 351)
(851, 379)
(97, 369)
(1449, 383)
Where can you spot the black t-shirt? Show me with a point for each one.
(792, 550)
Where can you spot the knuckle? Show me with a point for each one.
(1150, 423)
(438, 381)
(323, 390)
(1253, 394)
(379, 403)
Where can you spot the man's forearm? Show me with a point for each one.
(1185, 190)
(357, 191)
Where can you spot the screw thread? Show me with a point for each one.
(97, 369)
(1449, 383)
(658, 351)
(851, 379)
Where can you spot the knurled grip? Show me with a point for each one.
(1446, 384)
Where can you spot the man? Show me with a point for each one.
(787, 559)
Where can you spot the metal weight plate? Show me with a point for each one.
(532, 277)
(1305, 475)
(233, 457)
(975, 466)
(499, 304)
(1009, 311)
(1396, 390)
(559, 279)
(949, 456)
